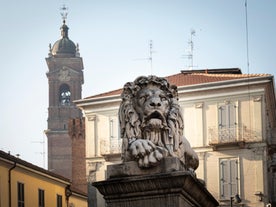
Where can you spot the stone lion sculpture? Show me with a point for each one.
(151, 123)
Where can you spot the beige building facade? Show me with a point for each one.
(230, 121)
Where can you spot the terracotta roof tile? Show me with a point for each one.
(181, 79)
(186, 78)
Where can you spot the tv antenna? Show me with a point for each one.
(246, 29)
(43, 152)
(64, 12)
(150, 56)
(190, 55)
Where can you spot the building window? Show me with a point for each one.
(111, 128)
(41, 201)
(64, 95)
(227, 114)
(20, 195)
(114, 139)
(229, 177)
(59, 201)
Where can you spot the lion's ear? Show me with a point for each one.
(136, 89)
(173, 89)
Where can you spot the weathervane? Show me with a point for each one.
(64, 12)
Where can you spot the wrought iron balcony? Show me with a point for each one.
(236, 134)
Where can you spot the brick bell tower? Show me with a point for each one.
(65, 78)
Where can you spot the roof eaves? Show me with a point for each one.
(214, 71)
(234, 82)
(231, 74)
(97, 100)
(29, 166)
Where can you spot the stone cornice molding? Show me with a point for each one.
(91, 117)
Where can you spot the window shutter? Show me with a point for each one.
(227, 116)
(227, 122)
(233, 176)
(232, 122)
(222, 117)
(229, 177)
(224, 179)
(232, 115)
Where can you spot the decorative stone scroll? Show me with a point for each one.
(151, 124)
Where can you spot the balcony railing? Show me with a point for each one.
(112, 146)
(233, 134)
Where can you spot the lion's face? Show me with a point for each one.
(152, 105)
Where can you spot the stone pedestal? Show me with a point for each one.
(163, 187)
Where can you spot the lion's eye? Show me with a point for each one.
(142, 98)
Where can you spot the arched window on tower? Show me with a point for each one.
(64, 95)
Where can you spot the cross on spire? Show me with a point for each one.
(64, 12)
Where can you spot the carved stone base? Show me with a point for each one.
(161, 189)
(168, 164)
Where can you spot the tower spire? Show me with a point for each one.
(64, 46)
(64, 29)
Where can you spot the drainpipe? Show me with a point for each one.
(14, 165)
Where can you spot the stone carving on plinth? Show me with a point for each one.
(152, 125)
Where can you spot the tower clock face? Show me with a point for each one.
(64, 74)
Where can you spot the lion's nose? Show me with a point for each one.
(155, 102)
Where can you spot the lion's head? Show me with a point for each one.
(149, 110)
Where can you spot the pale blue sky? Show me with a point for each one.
(113, 37)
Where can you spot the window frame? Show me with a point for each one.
(229, 185)
(41, 198)
(59, 200)
(228, 121)
(114, 136)
(20, 194)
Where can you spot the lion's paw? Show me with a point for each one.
(141, 147)
(152, 159)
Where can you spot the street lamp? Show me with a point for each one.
(260, 195)
(68, 193)
(236, 199)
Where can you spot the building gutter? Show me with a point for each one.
(98, 100)
(14, 165)
(63, 180)
(226, 84)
